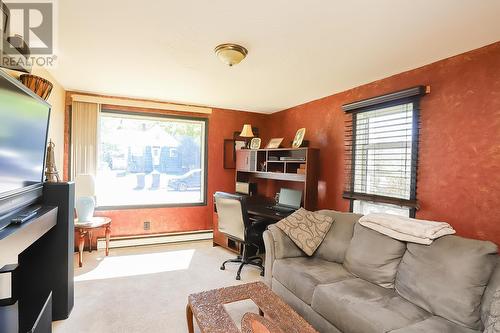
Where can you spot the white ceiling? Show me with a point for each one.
(298, 50)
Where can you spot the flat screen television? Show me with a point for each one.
(24, 121)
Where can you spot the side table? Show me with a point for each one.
(87, 228)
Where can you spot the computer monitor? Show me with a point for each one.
(290, 198)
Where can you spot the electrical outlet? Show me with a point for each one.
(147, 225)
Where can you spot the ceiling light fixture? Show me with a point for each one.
(230, 54)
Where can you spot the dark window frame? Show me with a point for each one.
(204, 202)
(411, 95)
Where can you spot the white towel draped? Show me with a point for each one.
(405, 228)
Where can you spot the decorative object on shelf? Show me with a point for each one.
(274, 143)
(239, 145)
(51, 174)
(85, 197)
(302, 169)
(263, 166)
(38, 85)
(255, 143)
(299, 137)
(230, 54)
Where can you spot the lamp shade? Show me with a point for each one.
(246, 132)
(84, 185)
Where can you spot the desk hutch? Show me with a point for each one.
(271, 169)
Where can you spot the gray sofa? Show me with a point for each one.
(361, 281)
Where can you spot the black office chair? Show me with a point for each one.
(235, 223)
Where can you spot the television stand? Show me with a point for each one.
(36, 264)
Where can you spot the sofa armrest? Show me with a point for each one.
(278, 246)
(268, 268)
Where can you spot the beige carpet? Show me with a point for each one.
(145, 289)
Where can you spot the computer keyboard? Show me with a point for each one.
(281, 209)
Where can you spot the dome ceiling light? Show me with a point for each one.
(230, 54)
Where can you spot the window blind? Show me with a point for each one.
(381, 148)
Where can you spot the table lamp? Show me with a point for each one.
(247, 132)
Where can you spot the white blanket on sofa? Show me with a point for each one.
(405, 228)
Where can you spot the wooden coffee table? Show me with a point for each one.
(87, 228)
(211, 316)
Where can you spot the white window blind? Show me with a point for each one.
(382, 149)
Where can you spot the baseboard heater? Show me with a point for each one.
(154, 239)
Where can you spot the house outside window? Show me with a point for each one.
(150, 160)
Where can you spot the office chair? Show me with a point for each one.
(235, 223)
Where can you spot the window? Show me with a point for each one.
(150, 160)
(381, 153)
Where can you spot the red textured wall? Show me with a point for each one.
(459, 153)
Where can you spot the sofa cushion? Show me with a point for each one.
(306, 229)
(358, 306)
(302, 275)
(373, 256)
(435, 324)
(339, 236)
(448, 277)
(303, 309)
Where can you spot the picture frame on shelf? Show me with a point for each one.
(274, 143)
(239, 144)
(255, 143)
(299, 137)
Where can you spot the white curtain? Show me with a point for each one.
(84, 138)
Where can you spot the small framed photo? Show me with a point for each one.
(299, 137)
(274, 143)
(255, 143)
(239, 145)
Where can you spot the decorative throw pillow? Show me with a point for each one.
(306, 229)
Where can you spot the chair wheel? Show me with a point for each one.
(238, 277)
(262, 273)
(222, 268)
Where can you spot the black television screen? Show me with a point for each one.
(23, 136)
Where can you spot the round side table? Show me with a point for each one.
(87, 228)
